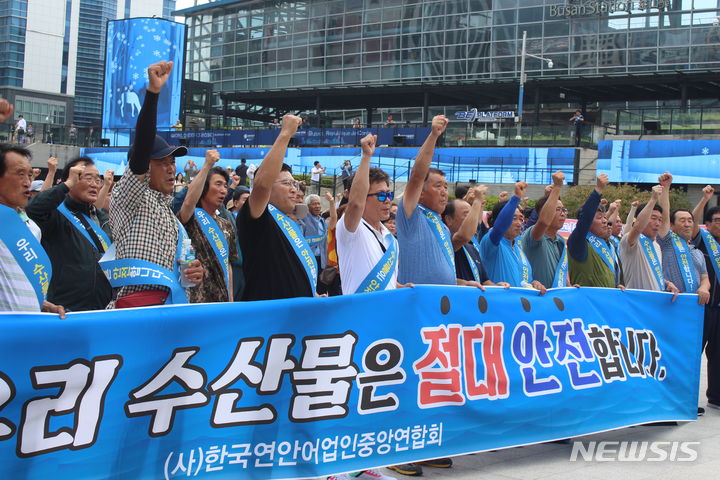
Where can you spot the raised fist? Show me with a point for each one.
(656, 192)
(665, 179)
(6, 110)
(503, 196)
(212, 157)
(558, 178)
(290, 124)
(708, 192)
(635, 203)
(439, 124)
(76, 172)
(329, 197)
(367, 144)
(109, 177)
(603, 202)
(52, 163)
(601, 182)
(158, 74)
(520, 188)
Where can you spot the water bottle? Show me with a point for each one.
(187, 255)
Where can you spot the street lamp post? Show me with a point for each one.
(521, 92)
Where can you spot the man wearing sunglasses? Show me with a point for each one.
(75, 235)
(277, 261)
(367, 251)
(544, 248)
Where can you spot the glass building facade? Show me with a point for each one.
(246, 46)
(12, 41)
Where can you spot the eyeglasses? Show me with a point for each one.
(561, 210)
(716, 221)
(382, 196)
(289, 183)
(92, 179)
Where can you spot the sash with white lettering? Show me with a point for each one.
(524, 263)
(131, 271)
(294, 235)
(102, 236)
(444, 241)
(615, 242)
(27, 252)
(713, 251)
(646, 245)
(561, 272)
(684, 260)
(379, 277)
(316, 240)
(603, 249)
(217, 240)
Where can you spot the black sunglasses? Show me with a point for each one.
(382, 196)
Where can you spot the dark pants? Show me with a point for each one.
(711, 345)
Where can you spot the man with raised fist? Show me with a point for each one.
(143, 225)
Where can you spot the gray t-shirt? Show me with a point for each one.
(421, 259)
(637, 271)
(671, 269)
(543, 255)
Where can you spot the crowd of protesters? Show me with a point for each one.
(158, 236)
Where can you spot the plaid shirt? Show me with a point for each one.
(143, 225)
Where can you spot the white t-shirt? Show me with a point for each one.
(21, 124)
(358, 253)
(16, 292)
(315, 177)
(636, 268)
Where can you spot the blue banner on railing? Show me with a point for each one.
(369, 380)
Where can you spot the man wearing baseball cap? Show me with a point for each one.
(146, 232)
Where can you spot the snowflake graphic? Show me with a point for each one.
(705, 151)
(156, 53)
(156, 38)
(135, 76)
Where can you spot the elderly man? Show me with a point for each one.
(145, 230)
(75, 236)
(25, 269)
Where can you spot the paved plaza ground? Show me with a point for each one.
(552, 461)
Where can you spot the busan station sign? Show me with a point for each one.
(599, 7)
(472, 115)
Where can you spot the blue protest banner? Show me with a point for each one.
(307, 387)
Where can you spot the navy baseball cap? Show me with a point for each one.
(161, 149)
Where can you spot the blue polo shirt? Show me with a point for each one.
(422, 260)
(501, 261)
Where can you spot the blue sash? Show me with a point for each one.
(561, 272)
(615, 242)
(294, 236)
(471, 262)
(684, 259)
(651, 256)
(601, 248)
(316, 240)
(216, 238)
(444, 241)
(27, 252)
(131, 271)
(713, 251)
(524, 264)
(102, 236)
(379, 277)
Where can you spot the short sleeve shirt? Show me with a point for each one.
(359, 252)
(543, 255)
(422, 260)
(671, 269)
(637, 272)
